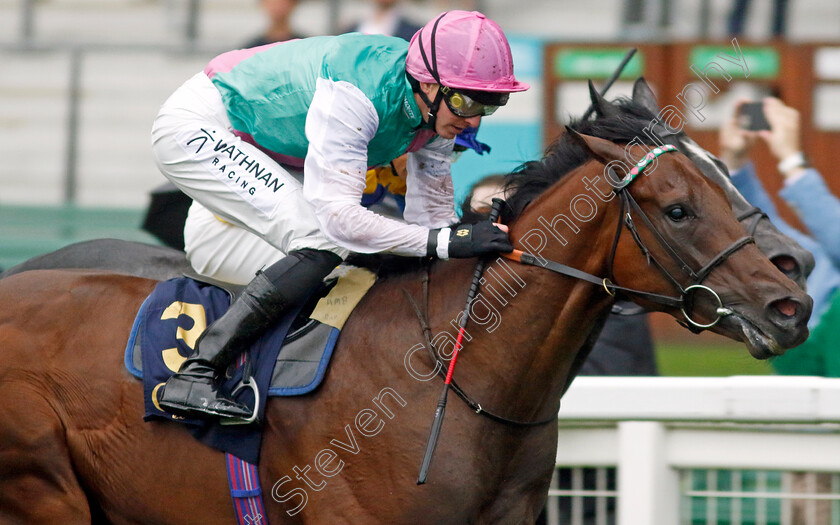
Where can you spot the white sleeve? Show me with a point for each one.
(430, 196)
(339, 125)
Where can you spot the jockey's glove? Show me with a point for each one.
(468, 240)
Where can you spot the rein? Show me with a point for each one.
(629, 204)
(440, 411)
(430, 348)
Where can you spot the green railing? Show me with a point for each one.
(27, 231)
(749, 497)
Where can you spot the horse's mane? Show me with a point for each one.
(563, 155)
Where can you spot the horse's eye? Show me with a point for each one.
(677, 213)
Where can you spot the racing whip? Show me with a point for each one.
(608, 84)
(440, 411)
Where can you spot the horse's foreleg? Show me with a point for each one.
(37, 481)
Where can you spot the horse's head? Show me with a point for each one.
(793, 260)
(680, 238)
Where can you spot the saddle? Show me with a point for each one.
(290, 359)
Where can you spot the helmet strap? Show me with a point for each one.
(433, 106)
(431, 67)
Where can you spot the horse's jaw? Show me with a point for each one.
(760, 344)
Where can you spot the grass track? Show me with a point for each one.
(676, 358)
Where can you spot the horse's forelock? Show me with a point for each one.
(563, 155)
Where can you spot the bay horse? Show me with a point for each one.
(74, 449)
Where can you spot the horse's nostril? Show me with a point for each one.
(787, 307)
(785, 263)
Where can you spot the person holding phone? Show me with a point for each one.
(771, 121)
(805, 190)
(750, 116)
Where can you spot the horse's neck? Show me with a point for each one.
(527, 324)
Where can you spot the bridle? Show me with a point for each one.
(752, 212)
(756, 212)
(629, 207)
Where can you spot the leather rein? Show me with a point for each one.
(628, 206)
(441, 367)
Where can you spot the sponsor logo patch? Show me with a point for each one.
(255, 183)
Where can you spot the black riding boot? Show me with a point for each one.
(193, 392)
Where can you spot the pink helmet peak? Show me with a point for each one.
(463, 50)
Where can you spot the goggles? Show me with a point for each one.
(463, 105)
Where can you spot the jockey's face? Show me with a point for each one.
(448, 124)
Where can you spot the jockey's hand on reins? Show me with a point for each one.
(468, 240)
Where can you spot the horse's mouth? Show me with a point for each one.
(759, 344)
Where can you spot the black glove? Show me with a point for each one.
(469, 240)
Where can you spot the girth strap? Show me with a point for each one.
(244, 481)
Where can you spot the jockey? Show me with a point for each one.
(333, 106)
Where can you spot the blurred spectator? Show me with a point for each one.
(166, 214)
(386, 18)
(279, 14)
(644, 19)
(804, 189)
(737, 17)
(806, 192)
(480, 197)
(448, 5)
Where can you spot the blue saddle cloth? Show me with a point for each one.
(164, 334)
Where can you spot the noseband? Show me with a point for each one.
(629, 206)
(752, 212)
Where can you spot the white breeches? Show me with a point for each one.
(248, 211)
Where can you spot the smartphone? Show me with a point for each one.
(751, 116)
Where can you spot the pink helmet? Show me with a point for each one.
(463, 50)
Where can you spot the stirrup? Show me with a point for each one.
(253, 418)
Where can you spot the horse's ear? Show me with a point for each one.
(601, 106)
(643, 95)
(603, 150)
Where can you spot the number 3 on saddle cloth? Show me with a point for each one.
(290, 359)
